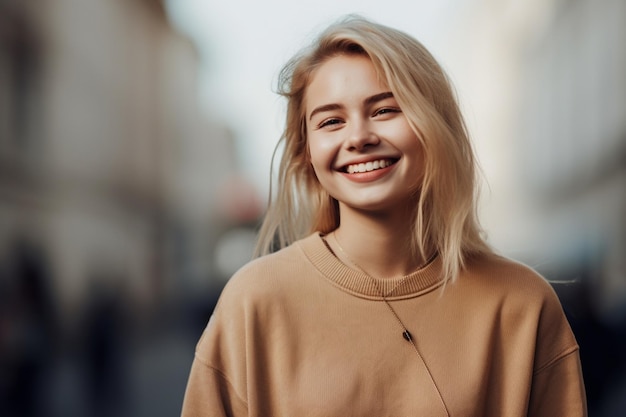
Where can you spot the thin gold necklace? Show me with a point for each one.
(405, 332)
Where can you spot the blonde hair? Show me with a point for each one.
(445, 217)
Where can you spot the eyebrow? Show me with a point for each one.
(368, 101)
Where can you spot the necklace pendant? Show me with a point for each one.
(407, 336)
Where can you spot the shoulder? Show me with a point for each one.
(253, 300)
(255, 290)
(522, 297)
(269, 267)
(268, 277)
(516, 291)
(500, 275)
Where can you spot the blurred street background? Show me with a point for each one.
(135, 146)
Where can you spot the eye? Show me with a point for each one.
(329, 122)
(386, 110)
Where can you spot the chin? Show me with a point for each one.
(379, 206)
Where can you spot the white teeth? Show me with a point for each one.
(368, 166)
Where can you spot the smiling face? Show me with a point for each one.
(363, 151)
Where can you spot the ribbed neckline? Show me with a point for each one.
(355, 282)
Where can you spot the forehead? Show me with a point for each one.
(343, 77)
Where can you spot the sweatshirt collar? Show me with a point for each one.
(419, 282)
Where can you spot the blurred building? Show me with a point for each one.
(547, 81)
(572, 148)
(103, 148)
(109, 180)
(573, 144)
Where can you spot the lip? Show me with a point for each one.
(368, 176)
(371, 158)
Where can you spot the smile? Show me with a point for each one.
(368, 166)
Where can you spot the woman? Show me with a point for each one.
(381, 296)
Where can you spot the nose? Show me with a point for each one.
(360, 136)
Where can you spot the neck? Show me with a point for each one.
(378, 244)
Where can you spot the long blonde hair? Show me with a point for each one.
(445, 217)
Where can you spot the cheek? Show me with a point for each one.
(419, 167)
(313, 160)
(320, 154)
(317, 167)
(413, 149)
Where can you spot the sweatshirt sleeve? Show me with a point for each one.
(217, 381)
(227, 354)
(209, 393)
(558, 389)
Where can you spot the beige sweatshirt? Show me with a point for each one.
(297, 333)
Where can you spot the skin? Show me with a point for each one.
(353, 118)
